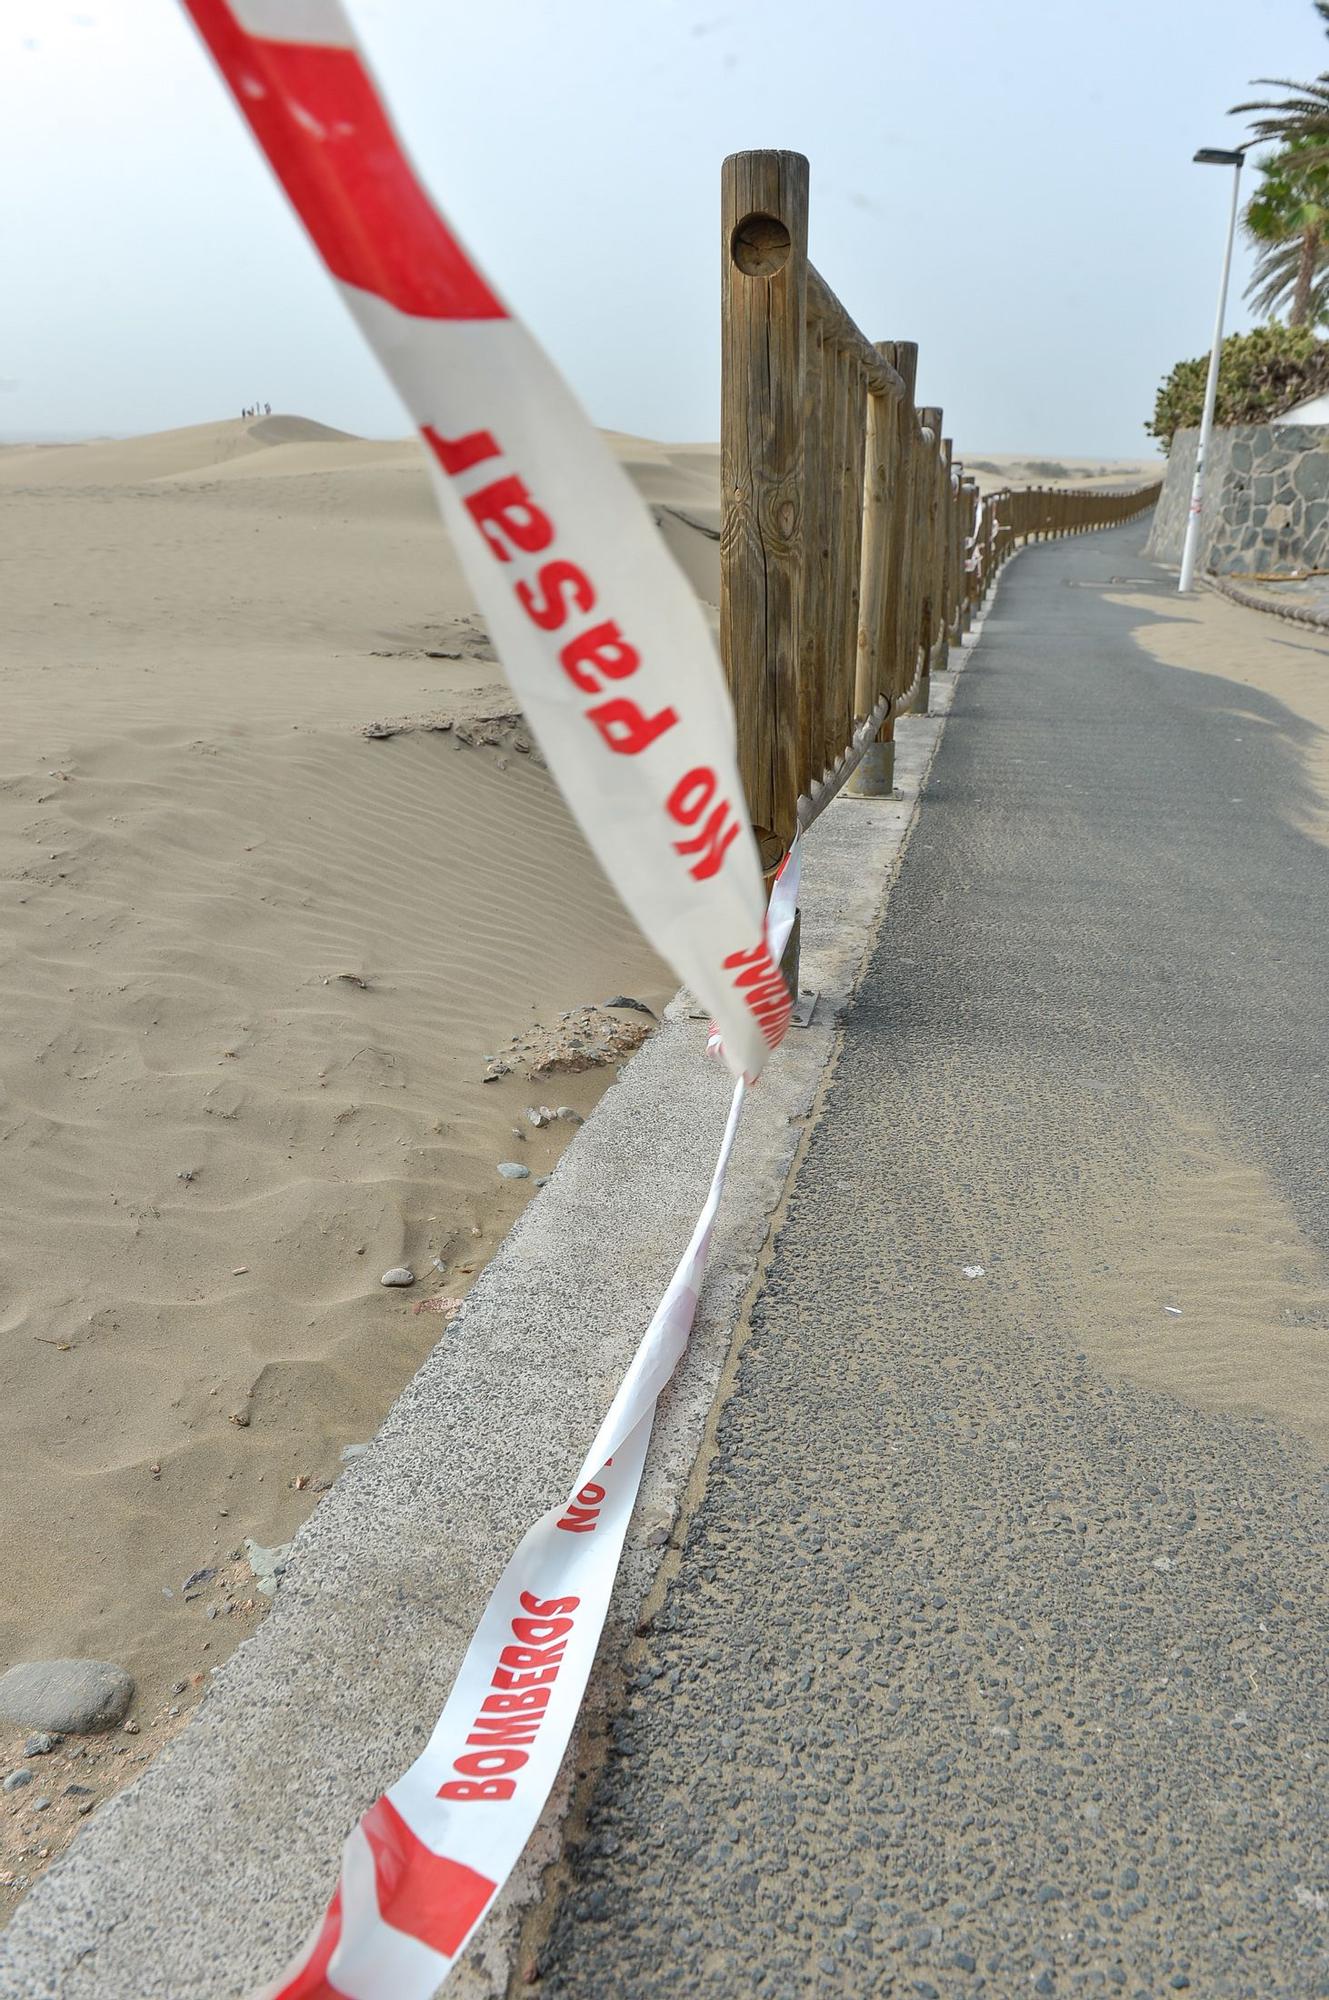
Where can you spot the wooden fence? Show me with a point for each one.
(853, 549)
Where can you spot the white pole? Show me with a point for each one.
(1191, 545)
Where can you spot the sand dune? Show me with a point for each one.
(252, 966)
(131, 461)
(994, 470)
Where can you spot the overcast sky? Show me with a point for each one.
(1008, 182)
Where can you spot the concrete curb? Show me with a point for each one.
(199, 1880)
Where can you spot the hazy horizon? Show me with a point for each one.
(1017, 195)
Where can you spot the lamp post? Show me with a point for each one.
(1210, 156)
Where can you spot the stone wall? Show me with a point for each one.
(1266, 500)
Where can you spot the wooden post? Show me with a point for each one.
(819, 407)
(951, 502)
(945, 552)
(870, 666)
(763, 327)
(834, 445)
(927, 506)
(847, 556)
(904, 541)
(969, 504)
(875, 776)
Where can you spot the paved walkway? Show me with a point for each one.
(987, 1668)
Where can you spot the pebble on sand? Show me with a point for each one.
(68, 1697)
(268, 1565)
(512, 1170)
(400, 1274)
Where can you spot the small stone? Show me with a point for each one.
(268, 1565)
(130, 1727)
(439, 1303)
(965, 1961)
(541, 1180)
(43, 1805)
(196, 1577)
(569, 1116)
(973, 1270)
(539, 1114)
(78, 1791)
(66, 1697)
(350, 1451)
(41, 1744)
(400, 1274)
(85, 1806)
(16, 1781)
(512, 1170)
(1043, 1984)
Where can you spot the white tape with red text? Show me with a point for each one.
(598, 631)
(424, 1863)
(606, 646)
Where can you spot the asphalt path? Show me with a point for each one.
(982, 1669)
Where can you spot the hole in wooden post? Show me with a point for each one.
(759, 245)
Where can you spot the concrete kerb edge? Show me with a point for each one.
(336, 1692)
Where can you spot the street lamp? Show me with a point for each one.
(1210, 156)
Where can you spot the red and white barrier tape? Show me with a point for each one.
(424, 1863)
(635, 721)
(598, 632)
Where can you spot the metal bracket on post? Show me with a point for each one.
(772, 851)
(804, 1001)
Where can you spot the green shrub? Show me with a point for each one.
(1261, 374)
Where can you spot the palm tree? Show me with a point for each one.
(1302, 116)
(1274, 281)
(1289, 216)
